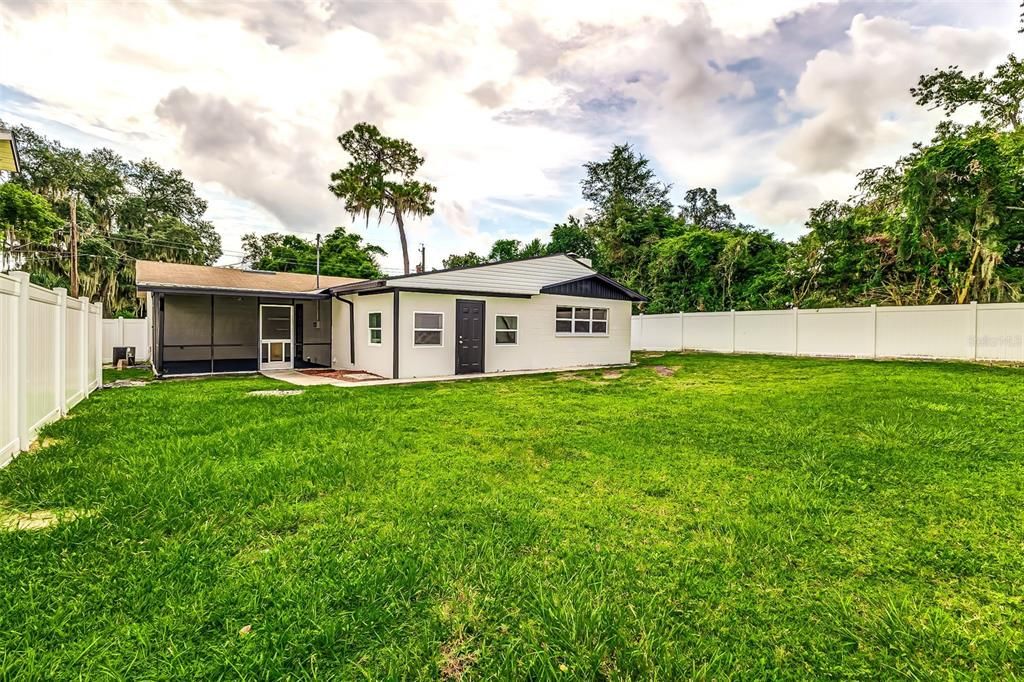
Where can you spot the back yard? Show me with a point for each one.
(744, 516)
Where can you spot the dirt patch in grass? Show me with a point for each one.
(39, 519)
(665, 371)
(275, 393)
(125, 383)
(42, 444)
(612, 374)
(455, 661)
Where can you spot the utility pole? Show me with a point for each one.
(318, 261)
(73, 205)
(423, 258)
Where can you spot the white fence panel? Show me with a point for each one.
(49, 358)
(1000, 333)
(662, 332)
(708, 331)
(837, 332)
(43, 402)
(991, 331)
(941, 331)
(122, 332)
(767, 331)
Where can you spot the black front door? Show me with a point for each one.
(469, 337)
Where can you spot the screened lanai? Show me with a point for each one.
(214, 320)
(210, 333)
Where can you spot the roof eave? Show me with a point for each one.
(228, 291)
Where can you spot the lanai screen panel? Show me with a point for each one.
(186, 334)
(235, 333)
(313, 333)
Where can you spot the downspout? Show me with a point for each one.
(351, 328)
(394, 334)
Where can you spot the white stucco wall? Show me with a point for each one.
(370, 358)
(538, 347)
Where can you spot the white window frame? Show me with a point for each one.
(369, 329)
(425, 329)
(572, 321)
(496, 330)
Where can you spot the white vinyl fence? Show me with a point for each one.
(990, 331)
(121, 332)
(50, 358)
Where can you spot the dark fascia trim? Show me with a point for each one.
(355, 287)
(452, 292)
(633, 295)
(214, 291)
(394, 334)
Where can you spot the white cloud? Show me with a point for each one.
(855, 109)
(504, 100)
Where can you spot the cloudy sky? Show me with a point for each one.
(777, 103)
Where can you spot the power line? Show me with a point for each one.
(120, 255)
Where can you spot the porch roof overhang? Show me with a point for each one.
(229, 291)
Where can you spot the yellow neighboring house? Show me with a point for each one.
(8, 152)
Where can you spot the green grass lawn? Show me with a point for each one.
(745, 517)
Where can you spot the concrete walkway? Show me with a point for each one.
(297, 378)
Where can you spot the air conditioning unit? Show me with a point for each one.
(126, 353)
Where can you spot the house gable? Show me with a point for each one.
(593, 286)
(526, 276)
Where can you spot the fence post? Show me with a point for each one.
(21, 369)
(974, 326)
(682, 331)
(120, 332)
(99, 344)
(874, 330)
(83, 347)
(732, 314)
(61, 346)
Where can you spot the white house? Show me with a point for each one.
(548, 312)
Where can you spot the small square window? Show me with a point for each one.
(506, 330)
(563, 326)
(562, 313)
(428, 329)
